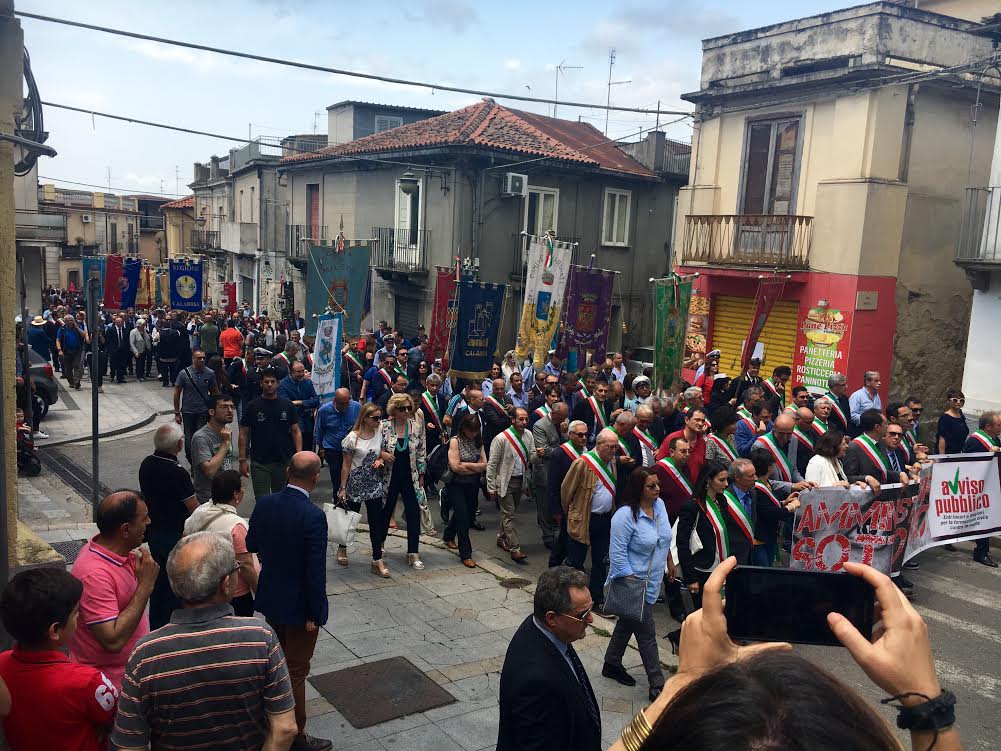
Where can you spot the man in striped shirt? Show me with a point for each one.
(207, 679)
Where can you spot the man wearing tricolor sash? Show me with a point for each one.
(645, 439)
(803, 435)
(821, 417)
(509, 469)
(780, 444)
(693, 432)
(378, 379)
(772, 507)
(548, 436)
(837, 392)
(741, 505)
(674, 477)
(865, 457)
(431, 410)
(353, 367)
(898, 413)
(775, 387)
(558, 466)
(987, 437)
(552, 396)
(595, 411)
(749, 429)
(629, 455)
(588, 500)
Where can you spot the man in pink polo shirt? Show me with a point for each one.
(117, 583)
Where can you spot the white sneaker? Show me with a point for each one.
(39, 434)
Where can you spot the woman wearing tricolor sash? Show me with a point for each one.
(703, 530)
(719, 441)
(773, 506)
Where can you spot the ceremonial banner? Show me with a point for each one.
(144, 297)
(671, 296)
(479, 312)
(93, 266)
(227, 300)
(587, 314)
(130, 282)
(326, 373)
(441, 324)
(769, 291)
(335, 283)
(161, 295)
(698, 327)
(545, 283)
(186, 285)
(113, 283)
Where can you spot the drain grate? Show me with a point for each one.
(69, 549)
(515, 582)
(77, 477)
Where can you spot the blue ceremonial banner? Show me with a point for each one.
(326, 373)
(480, 310)
(94, 266)
(335, 283)
(130, 282)
(186, 285)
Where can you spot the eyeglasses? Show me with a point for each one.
(578, 434)
(917, 410)
(233, 570)
(960, 399)
(652, 485)
(894, 435)
(403, 409)
(582, 618)
(375, 417)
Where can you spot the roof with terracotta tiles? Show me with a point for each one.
(182, 203)
(489, 125)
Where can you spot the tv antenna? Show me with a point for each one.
(611, 83)
(560, 70)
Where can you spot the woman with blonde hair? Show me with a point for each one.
(403, 441)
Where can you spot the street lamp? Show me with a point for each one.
(409, 183)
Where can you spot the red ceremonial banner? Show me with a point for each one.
(769, 291)
(228, 300)
(113, 283)
(441, 321)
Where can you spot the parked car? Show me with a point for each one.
(46, 387)
(641, 360)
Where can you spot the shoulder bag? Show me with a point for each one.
(626, 596)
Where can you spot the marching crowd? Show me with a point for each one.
(167, 652)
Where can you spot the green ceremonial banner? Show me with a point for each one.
(671, 296)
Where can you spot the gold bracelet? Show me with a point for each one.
(634, 734)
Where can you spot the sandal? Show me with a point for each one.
(415, 562)
(379, 569)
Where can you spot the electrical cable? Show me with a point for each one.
(35, 116)
(105, 187)
(335, 71)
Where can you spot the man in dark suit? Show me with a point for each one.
(558, 466)
(588, 410)
(837, 385)
(865, 456)
(289, 532)
(546, 699)
(119, 352)
(984, 439)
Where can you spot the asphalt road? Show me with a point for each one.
(958, 598)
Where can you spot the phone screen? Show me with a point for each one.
(775, 604)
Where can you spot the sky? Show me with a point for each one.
(510, 47)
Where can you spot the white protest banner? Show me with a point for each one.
(326, 373)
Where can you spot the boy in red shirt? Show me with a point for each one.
(55, 704)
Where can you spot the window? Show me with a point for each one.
(239, 208)
(542, 210)
(113, 233)
(615, 224)
(253, 190)
(384, 122)
(771, 167)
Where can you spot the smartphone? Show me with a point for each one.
(779, 604)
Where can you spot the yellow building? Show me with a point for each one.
(179, 221)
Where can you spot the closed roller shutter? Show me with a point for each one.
(407, 315)
(731, 316)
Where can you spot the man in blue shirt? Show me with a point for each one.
(866, 397)
(378, 378)
(387, 349)
(749, 428)
(333, 421)
(300, 391)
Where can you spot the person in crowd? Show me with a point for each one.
(555, 364)
(386, 349)
(595, 411)
(118, 581)
(334, 419)
(71, 340)
(704, 514)
(168, 350)
(459, 400)
(52, 703)
(99, 367)
(985, 438)
(800, 398)
(212, 449)
(487, 387)
(775, 387)
(378, 378)
(38, 340)
(644, 436)
(170, 498)
(467, 460)
(671, 418)
(618, 367)
(546, 699)
(353, 367)
(707, 378)
(748, 378)
(119, 351)
(403, 439)
(693, 432)
(896, 459)
(803, 435)
(865, 457)
(192, 388)
(550, 398)
(556, 471)
(641, 392)
(141, 347)
(508, 473)
(262, 362)
(173, 679)
(282, 362)
(208, 336)
(398, 386)
(784, 449)
(221, 514)
(952, 426)
(825, 469)
(772, 508)
(359, 478)
(629, 455)
(230, 341)
(674, 476)
(570, 388)
(719, 441)
(289, 533)
(299, 390)
(917, 408)
(588, 499)
(763, 691)
(821, 417)
(865, 398)
(915, 453)
(432, 412)
(517, 394)
(417, 376)
(547, 435)
(749, 397)
(750, 427)
(639, 547)
(740, 512)
(269, 436)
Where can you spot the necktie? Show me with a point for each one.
(894, 465)
(578, 669)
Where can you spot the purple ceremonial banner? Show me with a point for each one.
(587, 313)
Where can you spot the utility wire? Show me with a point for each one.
(336, 71)
(105, 187)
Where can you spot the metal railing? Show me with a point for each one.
(520, 249)
(34, 225)
(677, 157)
(148, 222)
(980, 232)
(298, 238)
(71, 251)
(773, 240)
(204, 239)
(401, 249)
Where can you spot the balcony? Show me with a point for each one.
(205, 239)
(520, 251)
(979, 249)
(33, 225)
(401, 251)
(71, 252)
(298, 238)
(767, 240)
(150, 223)
(238, 237)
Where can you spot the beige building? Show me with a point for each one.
(178, 222)
(835, 150)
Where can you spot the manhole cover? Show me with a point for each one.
(380, 691)
(515, 583)
(69, 549)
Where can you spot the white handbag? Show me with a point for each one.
(342, 524)
(694, 542)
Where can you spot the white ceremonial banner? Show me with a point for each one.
(326, 373)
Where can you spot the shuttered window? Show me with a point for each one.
(731, 317)
(407, 315)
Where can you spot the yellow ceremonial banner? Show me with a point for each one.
(545, 283)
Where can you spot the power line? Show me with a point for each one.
(105, 187)
(335, 71)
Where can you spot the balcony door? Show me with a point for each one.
(407, 237)
(768, 187)
(541, 210)
(313, 210)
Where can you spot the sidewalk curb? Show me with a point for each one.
(108, 434)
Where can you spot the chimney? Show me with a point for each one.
(213, 167)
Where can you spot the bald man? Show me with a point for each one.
(779, 443)
(289, 532)
(333, 421)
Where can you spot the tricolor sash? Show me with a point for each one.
(765, 489)
(570, 450)
(401, 371)
(599, 413)
(543, 411)
(819, 427)
(585, 392)
(496, 404)
(284, 357)
(518, 444)
(622, 444)
(871, 450)
(803, 438)
(598, 467)
(739, 514)
(781, 460)
(432, 409)
(837, 408)
(645, 439)
(676, 474)
(749, 422)
(354, 358)
(985, 440)
(907, 444)
(715, 517)
(457, 402)
(386, 376)
(775, 391)
(723, 446)
(744, 412)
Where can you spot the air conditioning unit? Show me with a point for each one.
(86, 218)
(515, 184)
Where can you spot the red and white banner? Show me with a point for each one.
(769, 291)
(227, 300)
(442, 315)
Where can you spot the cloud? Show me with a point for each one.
(629, 26)
(457, 15)
(512, 63)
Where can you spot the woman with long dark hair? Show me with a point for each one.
(467, 460)
(639, 549)
(705, 515)
(362, 471)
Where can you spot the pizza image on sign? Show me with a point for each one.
(825, 326)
